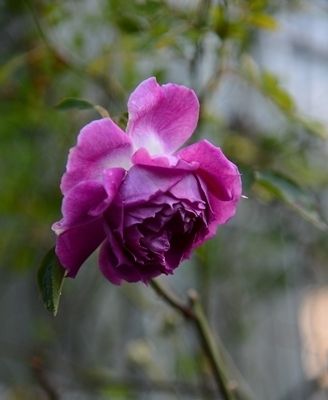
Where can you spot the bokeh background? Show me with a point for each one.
(260, 69)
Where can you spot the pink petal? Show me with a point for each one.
(76, 244)
(80, 201)
(100, 145)
(161, 118)
(188, 189)
(81, 230)
(112, 179)
(143, 183)
(142, 157)
(220, 176)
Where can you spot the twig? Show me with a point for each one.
(110, 87)
(172, 299)
(226, 387)
(213, 82)
(45, 384)
(193, 311)
(94, 382)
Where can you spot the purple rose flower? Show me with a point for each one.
(144, 203)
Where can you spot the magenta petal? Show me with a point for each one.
(113, 264)
(143, 183)
(142, 157)
(161, 118)
(220, 175)
(79, 202)
(101, 145)
(221, 179)
(222, 212)
(188, 189)
(76, 244)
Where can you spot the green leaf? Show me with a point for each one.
(271, 86)
(80, 104)
(73, 103)
(50, 280)
(263, 21)
(312, 126)
(273, 185)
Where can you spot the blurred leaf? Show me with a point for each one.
(249, 67)
(271, 86)
(225, 27)
(7, 69)
(73, 103)
(277, 186)
(122, 120)
(268, 84)
(263, 21)
(80, 104)
(314, 127)
(219, 21)
(50, 280)
(257, 5)
(130, 23)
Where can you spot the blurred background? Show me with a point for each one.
(260, 69)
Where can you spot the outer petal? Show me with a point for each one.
(161, 118)
(82, 230)
(100, 145)
(220, 176)
(79, 203)
(76, 244)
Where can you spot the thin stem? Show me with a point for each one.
(194, 313)
(216, 360)
(171, 299)
(44, 382)
(213, 82)
(111, 88)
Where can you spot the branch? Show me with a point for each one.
(193, 312)
(213, 82)
(226, 387)
(171, 299)
(40, 376)
(101, 381)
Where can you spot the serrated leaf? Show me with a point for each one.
(50, 280)
(283, 188)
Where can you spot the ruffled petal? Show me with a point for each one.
(143, 183)
(187, 189)
(161, 118)
(114, 265)
(220, 176)
(101, 144)
(142, 157)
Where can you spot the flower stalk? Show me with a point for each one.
(193, 311)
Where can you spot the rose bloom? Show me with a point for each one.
(146, 203)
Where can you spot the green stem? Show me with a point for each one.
(194, 312)
(216, 360)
